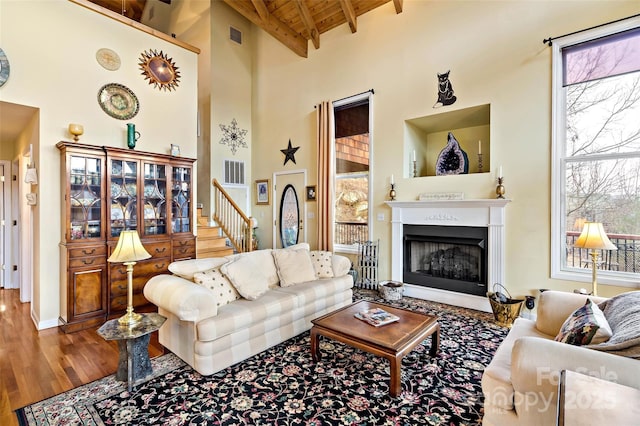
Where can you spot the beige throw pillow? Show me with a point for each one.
(294, 266)
(322, 263)
(263, 260)
(187, 268)
(246, 276)
(219, 284)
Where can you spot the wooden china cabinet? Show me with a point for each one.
(108, 190)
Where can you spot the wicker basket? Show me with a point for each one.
(505, 309)
(391, 290)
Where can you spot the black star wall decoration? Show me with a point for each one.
(290, 153)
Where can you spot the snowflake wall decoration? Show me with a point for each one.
(233, 136)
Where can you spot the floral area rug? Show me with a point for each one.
(282, 386)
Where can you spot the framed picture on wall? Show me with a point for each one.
(311, 193)
(262, 191)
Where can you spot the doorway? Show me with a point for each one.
(294, 183)
(5, 225)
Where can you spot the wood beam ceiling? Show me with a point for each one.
(398, 5)
(349, 14)
(309, 23)
(272, 25)
(295, 22)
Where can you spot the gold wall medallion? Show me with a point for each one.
(159, 69)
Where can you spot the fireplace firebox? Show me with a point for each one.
(450, 258)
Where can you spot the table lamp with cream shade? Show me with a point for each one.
(128, 251)
(593, 237)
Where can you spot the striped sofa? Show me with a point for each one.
(211, 336)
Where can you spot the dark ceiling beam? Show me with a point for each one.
(349, 14)
(309, 23)
(398, 5)
(276, 28)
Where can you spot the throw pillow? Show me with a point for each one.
(263, 260)
(584, 325)
(623, 314)
(246, 276)
(187, 268)
(214, 280)
(299, 246)
(294, 266)
(322, 263)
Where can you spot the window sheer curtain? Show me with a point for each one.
(326, 173)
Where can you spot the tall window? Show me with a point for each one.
(352, 118)
(596, 150)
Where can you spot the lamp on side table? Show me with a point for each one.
(128, 251)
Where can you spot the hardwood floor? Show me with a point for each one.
(35, 365)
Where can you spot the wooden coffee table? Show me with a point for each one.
(392, 341)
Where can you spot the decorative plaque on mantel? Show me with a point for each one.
(435, 196)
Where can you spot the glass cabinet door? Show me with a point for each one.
(123, 190)
(155, 199)
(181, 199)
(85, 191)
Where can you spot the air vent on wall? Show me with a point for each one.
(234, 172)
(235, 35)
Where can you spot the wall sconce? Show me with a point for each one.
(76, 130)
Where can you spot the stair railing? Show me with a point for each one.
(231, 219)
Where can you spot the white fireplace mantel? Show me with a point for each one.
(489, 213)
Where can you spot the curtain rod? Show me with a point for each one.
(357, 94)
(549, 40)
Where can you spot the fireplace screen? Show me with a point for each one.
(450, 258)
(458, 262)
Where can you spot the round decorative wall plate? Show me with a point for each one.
(108, 59)
(118, 101)
(4, 68)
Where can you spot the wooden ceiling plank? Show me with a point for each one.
(261, 8)
(349, 14)
(276, 28)
(309, 23)
(398, 5)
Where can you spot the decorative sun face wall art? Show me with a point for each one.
(159, 69)
(233, 136)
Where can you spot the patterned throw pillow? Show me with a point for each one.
(322, 263)
(584, 325)
(219, 284)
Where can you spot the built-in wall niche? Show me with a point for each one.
(426, 137)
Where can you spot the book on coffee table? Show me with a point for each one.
(376, 317)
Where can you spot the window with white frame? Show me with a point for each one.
(596, 150)
(352, 148)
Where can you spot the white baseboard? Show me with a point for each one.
(41, 325)
(470, 301)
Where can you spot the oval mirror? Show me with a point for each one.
(289, 217)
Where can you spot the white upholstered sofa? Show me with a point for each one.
(520, 384)
(222, 311)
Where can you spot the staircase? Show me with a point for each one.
(210, 242)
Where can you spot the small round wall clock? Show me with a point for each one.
(4, 68)
(159, 69)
